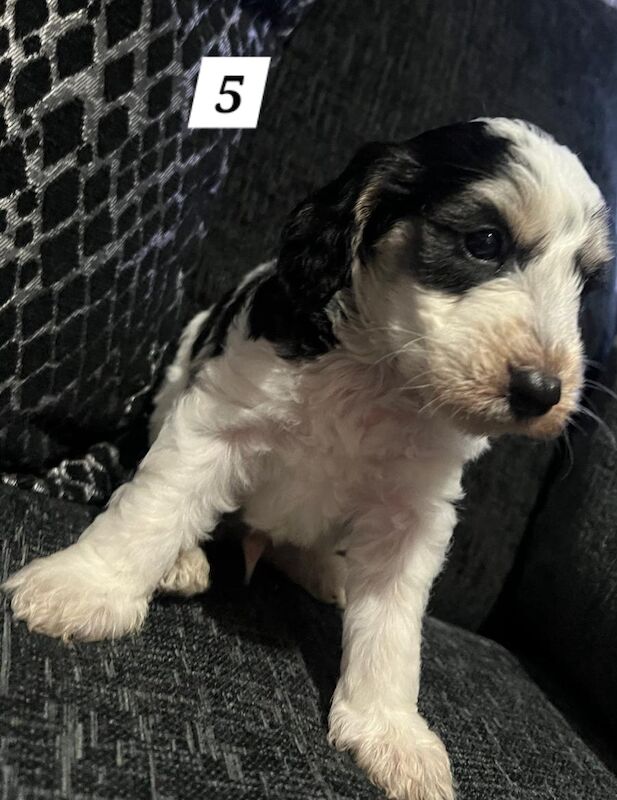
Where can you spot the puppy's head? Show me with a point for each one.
(459, 257)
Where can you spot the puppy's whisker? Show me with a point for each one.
(398, 352)
(409, 386)
(600, 387)
(570, 452)
(412, 386)
(389, 328)
(434, 411)
(572, 422)
(399, 329)
(437, 399)
(416, 377)
(601, 424)
(589, 362)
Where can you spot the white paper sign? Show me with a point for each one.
(229, 92)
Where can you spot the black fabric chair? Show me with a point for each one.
(226, 695)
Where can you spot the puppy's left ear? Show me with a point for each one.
(318, 242)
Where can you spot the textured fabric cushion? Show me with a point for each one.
(226, 697)
(104, 197)
(500, 494)
(562, 602)
(355, 72)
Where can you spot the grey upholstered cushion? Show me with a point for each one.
(225, 697)
(501, 490)
(563, 600)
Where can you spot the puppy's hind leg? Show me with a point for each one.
(189, 575)
(321, 571)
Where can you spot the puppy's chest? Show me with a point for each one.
(345, 448)
(336, 458)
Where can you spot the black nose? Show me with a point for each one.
(532, 392)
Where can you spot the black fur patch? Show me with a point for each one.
(210, 342)
(289, 306)
(297, 330)
(427, 170)
(440, 259)
(204, 336)
(428, 192)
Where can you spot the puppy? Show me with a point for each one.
(426, 299)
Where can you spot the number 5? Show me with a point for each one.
(235, 97)
(228, 92)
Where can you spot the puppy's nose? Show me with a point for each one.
(532, 392)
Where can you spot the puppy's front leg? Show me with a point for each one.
(392, 560)
(100, 587)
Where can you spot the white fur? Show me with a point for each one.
(321, 571)
(354, 444)
(178, 375)
(189, 575)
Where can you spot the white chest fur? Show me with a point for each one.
(335, 437)
(348, 442)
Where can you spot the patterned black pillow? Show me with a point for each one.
(104, 199)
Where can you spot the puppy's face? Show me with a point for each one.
(460, 257)
(481, 285)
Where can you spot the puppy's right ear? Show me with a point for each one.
(319, 238)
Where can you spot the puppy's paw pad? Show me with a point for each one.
(189, 575)
(74, 594)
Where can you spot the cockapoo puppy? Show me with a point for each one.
(426, 299)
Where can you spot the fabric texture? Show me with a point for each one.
(561, 602)
(104, 206)
(356, 72)
(90, 478)
(226, 696)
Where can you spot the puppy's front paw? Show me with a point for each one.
(189, 575)
(74, 593)
(400, 755)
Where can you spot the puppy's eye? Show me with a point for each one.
(485, 244)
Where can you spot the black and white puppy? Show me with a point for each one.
(425, 299)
